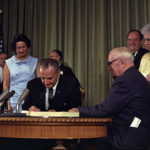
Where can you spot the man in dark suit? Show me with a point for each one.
(135, 40)
(52, 91)
(128, 104)
(65, 70)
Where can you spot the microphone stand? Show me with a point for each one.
(17, 108)
(1, 110)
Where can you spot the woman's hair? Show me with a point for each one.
(20, 38)
(145, 29)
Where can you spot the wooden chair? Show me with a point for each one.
(82, 94)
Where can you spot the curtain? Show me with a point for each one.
(84, 30)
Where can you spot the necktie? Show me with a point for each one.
(50, 96)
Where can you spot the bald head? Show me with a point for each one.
(119, 60)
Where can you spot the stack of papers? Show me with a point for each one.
(51, 114)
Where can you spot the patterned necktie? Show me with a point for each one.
(50, 96)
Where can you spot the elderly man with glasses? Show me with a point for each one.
(128, 104)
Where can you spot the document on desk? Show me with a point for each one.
(51, 114)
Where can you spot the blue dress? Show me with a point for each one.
(20, 73)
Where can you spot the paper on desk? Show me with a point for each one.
(51, 114)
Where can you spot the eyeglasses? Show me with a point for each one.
(110, 62)
(146, 40)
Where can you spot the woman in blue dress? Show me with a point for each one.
(19, 69)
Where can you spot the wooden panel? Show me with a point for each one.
(53, 128)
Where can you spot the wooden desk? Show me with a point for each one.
(53, 128)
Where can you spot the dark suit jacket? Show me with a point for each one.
(129, 97)
(67, 71)
(138, 57)
(1, 88)
(67, 95)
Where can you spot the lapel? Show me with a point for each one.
(58, 92)
(42, 90)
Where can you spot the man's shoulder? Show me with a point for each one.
(147, 55)
(142, 50)
(130, 71)
(65, 68)
(67, 79)
(35, 81)
(133, 77)
(126, 75)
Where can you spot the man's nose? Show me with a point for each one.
(47, 81)
(108, 67)
(21, 49)
(132, 42)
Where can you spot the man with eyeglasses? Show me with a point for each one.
(135, 40)
(128, 104)
(52, 91)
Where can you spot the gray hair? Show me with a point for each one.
(123, 52)
(48, 62)
(145, 29)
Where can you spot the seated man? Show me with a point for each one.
(52, 91)
(128, 104)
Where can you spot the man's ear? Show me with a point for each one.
(59, 60)
(122, 61)
(141, 41)
(58, 73)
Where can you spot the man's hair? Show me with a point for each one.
(59, 53)
(138, 31)
(124, 52)
(48, 62)
(145, 29)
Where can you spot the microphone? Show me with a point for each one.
(2, 96)
(5, 96)
(22, 97)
